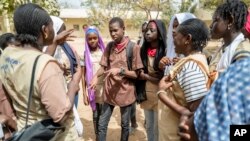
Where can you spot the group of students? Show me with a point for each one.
(181, 102)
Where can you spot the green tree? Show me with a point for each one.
(7, 8)
(102, 10)
(212, 4)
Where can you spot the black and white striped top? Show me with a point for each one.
(192, 81)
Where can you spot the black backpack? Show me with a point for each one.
(139, 84)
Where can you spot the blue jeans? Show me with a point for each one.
(133, 115)
(96, 116)
(151, 118)
(104, 119)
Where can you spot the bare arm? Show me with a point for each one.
(73, 86)
(164, 85)
(130, 74)
(59, 39)
(174, 106)
(51, 49)
(187, 128)
(85, 94)
(145, 76)
(95, 78)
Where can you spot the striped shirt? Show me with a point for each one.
(192, 81)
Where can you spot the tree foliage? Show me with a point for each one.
(212, 4)
(9, 6)
(102, 10)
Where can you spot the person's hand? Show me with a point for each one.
(165, 83)
(176, 59)
(112, 72)
(163, 62)
(64, 36)
(186, 127)
(8, 121)
(93, 83)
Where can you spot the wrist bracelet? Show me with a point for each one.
(160, 91)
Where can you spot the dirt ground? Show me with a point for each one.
(114, 129)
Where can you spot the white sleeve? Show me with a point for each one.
(192, 81)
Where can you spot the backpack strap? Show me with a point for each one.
(109, 46)
(129, 53)
(183, 61)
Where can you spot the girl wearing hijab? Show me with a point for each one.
(167, 61)
(94, 48)
(62, 52)
(152, 50)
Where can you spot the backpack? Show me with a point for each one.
(139, 84)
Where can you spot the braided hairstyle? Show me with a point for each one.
(198, 30)
(28, 20)
(233, 8)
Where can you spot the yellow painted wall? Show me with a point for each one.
(77, 22)
(70, 22)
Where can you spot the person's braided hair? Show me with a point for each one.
(28, 20)
(6, 39)
(233, 8)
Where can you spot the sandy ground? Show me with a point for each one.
(114, 128)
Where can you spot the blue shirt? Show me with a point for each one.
(227, 103)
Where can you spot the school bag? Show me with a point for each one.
(139, 84)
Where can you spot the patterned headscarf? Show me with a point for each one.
(226, 104)
(89, 64)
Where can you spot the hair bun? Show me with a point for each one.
(27, 39)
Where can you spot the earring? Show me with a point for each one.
(229, 26)
(186, 43)
(45, 36)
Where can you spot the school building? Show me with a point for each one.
(76, 18)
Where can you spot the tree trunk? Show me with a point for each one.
(6, 22)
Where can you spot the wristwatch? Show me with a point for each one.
(122, 72)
